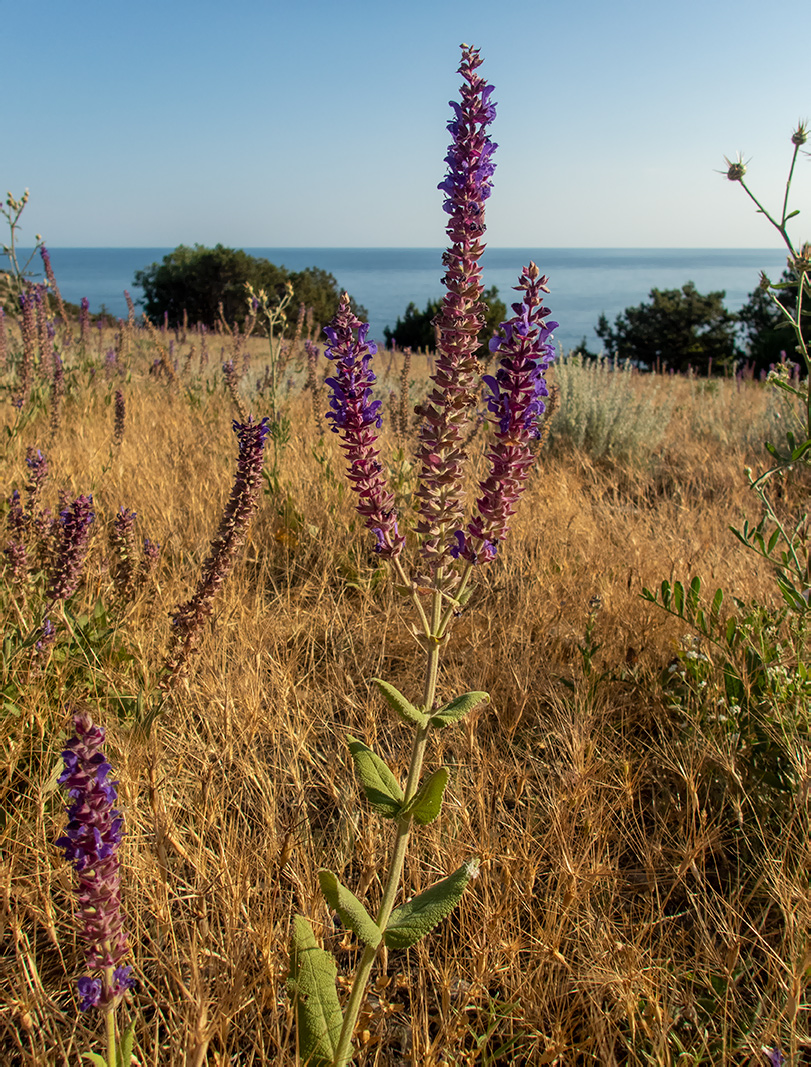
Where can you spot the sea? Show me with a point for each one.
(584, 282)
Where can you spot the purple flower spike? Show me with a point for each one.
(446, 411)
(75, 521)
(355, 417)
(91, 842)
(515, 405)
(188, 618)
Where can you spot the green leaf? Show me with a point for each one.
(457, 708)
(428, 799)
(312, 984)
(95, 1058)
(414, 920)
(791, 214)
(125, 1047)
(352, 912)
(379, 784)
(398, 703)
(717, 601)
(678, 598)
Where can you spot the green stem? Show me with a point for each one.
(433, 637)
(109, 1020)
(779, 226)
(788, 181)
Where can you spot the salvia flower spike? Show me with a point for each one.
(515, 404)
(356, 417)
(446, 411)
(188, 618)
(91, 843)
(75, 521)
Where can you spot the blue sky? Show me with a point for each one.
(322, 123)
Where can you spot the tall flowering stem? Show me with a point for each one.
(189, 618)
(356, 418)
(91, 843)
(515, 404)
(446, 411)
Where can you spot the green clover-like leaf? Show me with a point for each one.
(379, 784)
(398, 703)
(419, 916)
(427, 801)
(457, 708)
(352, 912)
(312, 983)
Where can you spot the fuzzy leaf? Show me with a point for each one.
(312, 983)
(457, 708)
(125, 1047)
(414, 920)
(398, 703)
(428, 799)
(352, 912)
(379, 784)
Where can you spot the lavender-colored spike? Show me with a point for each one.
(38, 467)
(355, 417)
(120, 416)
(446, 411)
(91, 843)
(515, 405)
(75, 521)
(189, 617)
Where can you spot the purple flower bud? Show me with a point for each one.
(355, 416)
(91, 842)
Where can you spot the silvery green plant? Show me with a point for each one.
(451, 546)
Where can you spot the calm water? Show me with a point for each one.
(584, 282)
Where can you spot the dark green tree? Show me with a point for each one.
(767, 333)
(199, 278)
(416, 328)
(677, 329)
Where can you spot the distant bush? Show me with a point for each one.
(198, 279)
(416, 328)
(677, 329)
(604, 412)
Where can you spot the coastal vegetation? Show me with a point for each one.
(352, 758)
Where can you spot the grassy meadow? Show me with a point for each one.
(643, 822)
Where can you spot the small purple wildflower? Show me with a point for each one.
(515, 405)
(355, 416)
(47, 635)
(75, 520)
(775, 1057)
(91, 843)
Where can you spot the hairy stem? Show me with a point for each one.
(433, 636)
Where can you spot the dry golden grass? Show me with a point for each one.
(617, 892)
